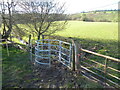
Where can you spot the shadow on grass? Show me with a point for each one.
(105, 47)
(18, 72)
(109, 48)
(14, 67)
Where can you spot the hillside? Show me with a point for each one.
(96, 16)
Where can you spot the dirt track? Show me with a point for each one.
(57, 75)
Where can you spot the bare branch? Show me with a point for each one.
(43, 17)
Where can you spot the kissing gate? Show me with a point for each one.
(47, 49)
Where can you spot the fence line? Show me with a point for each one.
(108, 57)
(105, 65)
(77, 60)
(48, 46)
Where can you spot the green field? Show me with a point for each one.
(91, 30)
(96, 16)
(102, 35)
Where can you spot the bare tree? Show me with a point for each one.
(6, 14)
(8, 18)
(43, 17)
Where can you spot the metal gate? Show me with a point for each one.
(46, 49)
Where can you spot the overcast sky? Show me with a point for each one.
(77, 6)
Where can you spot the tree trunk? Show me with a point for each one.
(38, 36)
(7, 33)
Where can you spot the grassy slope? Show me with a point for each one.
(97, 16)
(89, 34)
(15, 67)
(91, 30)
(18, 72)
(102, 35)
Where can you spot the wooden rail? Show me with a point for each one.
(79, 64)
(105, 65)
(108, 57)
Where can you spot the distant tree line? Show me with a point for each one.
(25, 18)
(96, 16)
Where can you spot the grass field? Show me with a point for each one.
(102, 35)
(91, 30)
(19, 72)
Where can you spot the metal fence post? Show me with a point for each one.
(70, 52)
(49, 48)
(42, 43)
(31, 50)
(60, 45)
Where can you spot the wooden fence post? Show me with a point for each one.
(43, 36)
(105, 71)
(29, 42)
(30, 47)
(7, 48)
(42, 42)
(75, 55)
(80, 59)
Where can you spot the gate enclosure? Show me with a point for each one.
(72, 55)
(48, 49)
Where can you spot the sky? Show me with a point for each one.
(77, 6)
